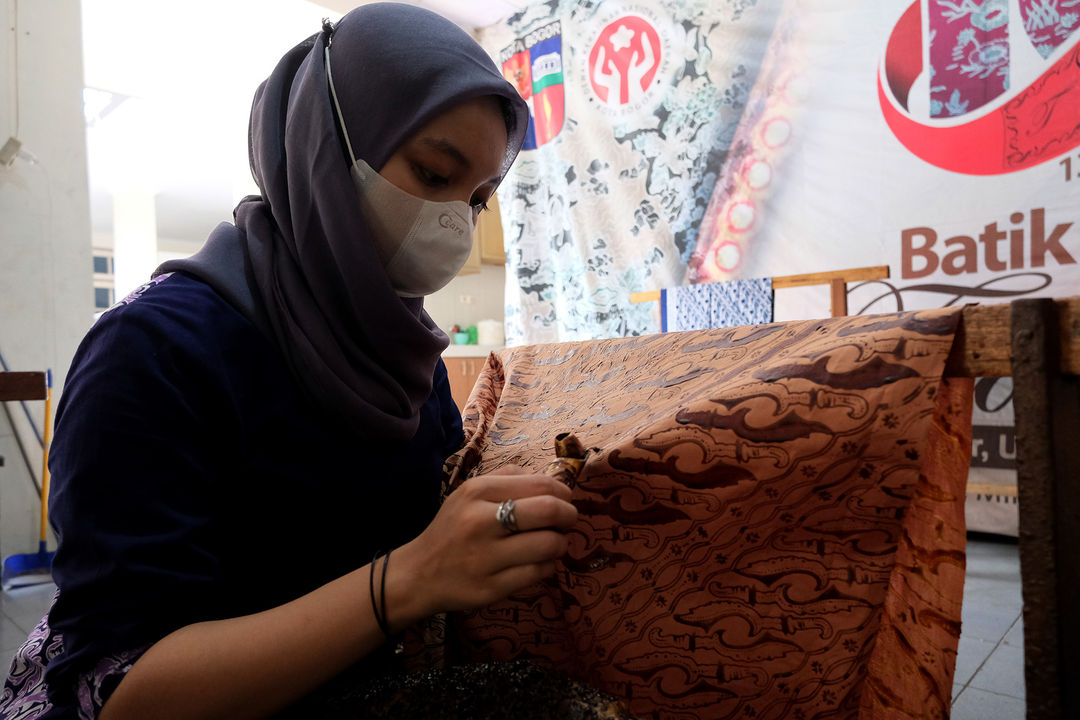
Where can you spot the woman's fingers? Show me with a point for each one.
(539, 511)
(470, 559)
(514, 485)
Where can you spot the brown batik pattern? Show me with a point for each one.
(771, 518)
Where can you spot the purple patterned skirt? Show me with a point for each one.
(25, 697)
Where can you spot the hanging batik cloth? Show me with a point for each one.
(771, 520)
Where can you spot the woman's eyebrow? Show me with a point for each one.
(444, 146)
(447, 148)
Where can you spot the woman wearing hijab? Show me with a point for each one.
(240, 437)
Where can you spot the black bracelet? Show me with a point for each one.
(384, 624)
(379, 617)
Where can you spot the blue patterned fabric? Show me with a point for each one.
(692, 308)
(741, 302)
(713, 305)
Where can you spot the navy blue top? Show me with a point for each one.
(192, 481)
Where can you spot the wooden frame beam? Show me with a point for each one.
(1046, 403)
(863, 274)
(835, 279)
(983, 345)
(22, 386)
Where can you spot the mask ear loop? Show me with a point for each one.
(333, 96)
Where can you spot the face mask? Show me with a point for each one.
(422, 244)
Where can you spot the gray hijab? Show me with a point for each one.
(298, 261)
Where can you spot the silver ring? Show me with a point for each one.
(505, 516)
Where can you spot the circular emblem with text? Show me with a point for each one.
(626, 60)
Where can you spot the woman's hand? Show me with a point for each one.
(465, 559)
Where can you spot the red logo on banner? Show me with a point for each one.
(624, 60)
(1039, 123)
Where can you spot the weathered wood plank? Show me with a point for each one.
(879, 272)
(838, 297)
(984, 341)
(646, 296)
(22, 386)
(1047, 407)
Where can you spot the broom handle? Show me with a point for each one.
(45, 458)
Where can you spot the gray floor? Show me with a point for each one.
(989, 682)
(20, 610)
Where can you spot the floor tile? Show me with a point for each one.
(26, 605)
(971, 653)
(6, 657)
(976, 704)
(11, 637)
(997, 593)
(994, 565)
(989, 678)
(994, 578)
(986, 621)
(1015, 636)
(1003, 672)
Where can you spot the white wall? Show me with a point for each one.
(469, 299)
(46, 300)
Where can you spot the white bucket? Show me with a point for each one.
(490, 332)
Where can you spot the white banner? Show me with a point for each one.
(704, 141)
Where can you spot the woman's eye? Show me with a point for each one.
(429, 178)
(479, 206)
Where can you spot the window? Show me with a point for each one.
(104, 267)
(102, 298)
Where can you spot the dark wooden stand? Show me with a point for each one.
(1037, 342)
(22, 386)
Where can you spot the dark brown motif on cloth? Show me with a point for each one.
(771, 518)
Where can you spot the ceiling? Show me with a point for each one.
(167, 112)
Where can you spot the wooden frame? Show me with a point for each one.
(1044, 339)
(22, 386)
(1037, 342)
(837, 281)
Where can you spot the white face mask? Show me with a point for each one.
(422, 244)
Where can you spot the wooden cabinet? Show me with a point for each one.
(489, 234)
(462, 373)
(487, 247)
(472, 265)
